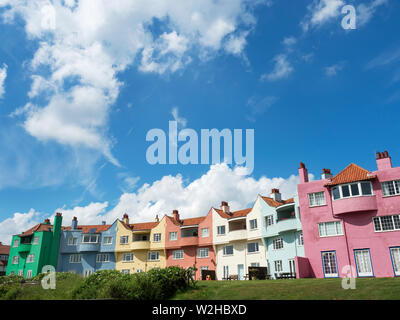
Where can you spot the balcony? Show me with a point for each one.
(235, 235)
(189, 241)
(140, 245)
(87, 247)
(354, 204)
(283, 225)
(24, 247)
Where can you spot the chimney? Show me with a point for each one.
(275, 194)
(326, 174)
(47, 221)
(175, 214)
(303, 173)
(125, 218)
(74, 223)
(383, 160)
(225, 207)
(157, 220)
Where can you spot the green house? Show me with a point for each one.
(35, 248)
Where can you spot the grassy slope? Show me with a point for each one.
(302, 289)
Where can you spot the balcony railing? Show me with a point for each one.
(235, 235)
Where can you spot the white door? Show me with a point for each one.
(395, 252)
(292, 266)
(363, 261)
(329, 264)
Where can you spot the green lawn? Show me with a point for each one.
(294, 289)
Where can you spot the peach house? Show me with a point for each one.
(351, 219)
(188, 242)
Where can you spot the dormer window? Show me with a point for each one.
(90, 238)
(356, 189)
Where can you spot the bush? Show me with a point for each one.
(11, 279)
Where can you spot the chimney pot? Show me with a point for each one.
(303, 173)
(126, 218)
(326, 174)
(275, 194)
(383, 161)
(225, 207)
(103, 223)
(74, 224)
(157, 220)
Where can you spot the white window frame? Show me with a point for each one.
(72, 241)
(203, 253)
(253, 224)
(173, 236)
(256, 247)
(395, 186)
(205, 232)
(395, 262)
(312, 199)
(269, 220)
(16, 243)
(225, 272)
(150, 256)
(177, 254)
(322, 226)
(30, 258)
(91, 236)
(122, 240)
(300, 239)
(395, 219)
(125, 271)
(75, 258)
(219, 228)
(125, 255)
(330, 275)
(21, 272)
(277, 243)
(278, 265)
(224, 250)
(108, 238)
(363, 259)
(102, 257)
(359, 188)
(157, 237)
(36, 240)
(15, 260)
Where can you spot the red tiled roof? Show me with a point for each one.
(186, 222)
(273, 203)
(37, 228)
(235, 214)
(143, 226)
(87, 228)
(351, 173)
(4, 249)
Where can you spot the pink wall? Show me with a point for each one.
(303, 268)
(357, 226)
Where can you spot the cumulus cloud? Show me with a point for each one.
(333, 69)
(282, 69)
(3, 75)
(220, 183)
(84, 45)
(366, 11)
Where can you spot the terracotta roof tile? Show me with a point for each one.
(235, 214)
(37, 228)
(143, 226)
(4, 249)
(351, 173)
(187, 222)
(273, 203)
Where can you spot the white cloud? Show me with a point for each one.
(220, 183)
(366, 11)
(3, 75)
(333, 69)
(282, 69)
(321, 12)
(83, 45)
(289, 41)
(180, 120)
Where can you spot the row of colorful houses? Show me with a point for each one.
(348, 219)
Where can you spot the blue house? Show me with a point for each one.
(281, 232)
(88, 248)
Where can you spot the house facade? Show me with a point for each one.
(281, 232)
(237, 241)
(188, 242)
(35, 248)
(351, 221)
(140, 246)
(4, 254)
(85, 249)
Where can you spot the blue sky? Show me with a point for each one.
(80, 91)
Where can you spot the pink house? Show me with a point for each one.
(188, 242)
(351, 219)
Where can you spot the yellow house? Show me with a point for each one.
(140, 246)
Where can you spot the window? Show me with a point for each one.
(352, 190)
(300, 240)
(29, 274)
(15, 245)
(90, 238)
(204, 268)
(395, 254)
(20, 272)
(75, 258)
(127, 257)
(387, 223)
(125, 271)
(157, 237)
(316, 199)
(220, 230)
(15, 260)
(123, 239)
(226, 272)
(228, 250)
(107, 240)
(270, 220)
(36, 240)
(205, 232)
(153, 256)
(30, 258)
(254, 264)
(202, 253)
(103, 257)
(177, 255)
(327, 229)
(173, 236)
(139, 270)
(253, 224)
(72, 241)
(391, 188)
(329, 264)
(277, 243)
(87, 273)
(278, 265)
(252, 247)
(363, 263)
